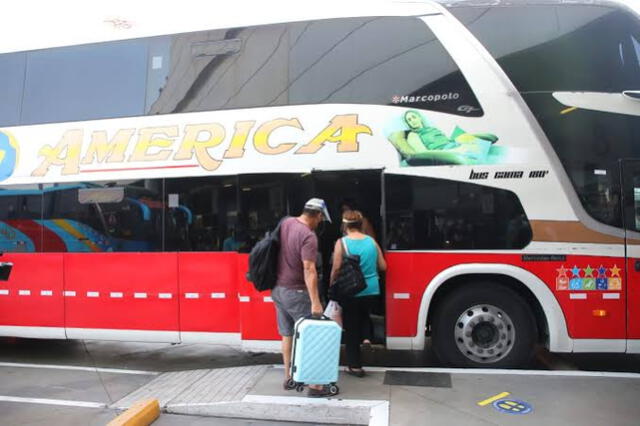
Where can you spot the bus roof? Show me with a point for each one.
(630, 4)
(34, 24)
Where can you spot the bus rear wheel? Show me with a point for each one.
(484, 325)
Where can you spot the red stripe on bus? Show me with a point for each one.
(38, 234)
(30, 228)
(138, 168)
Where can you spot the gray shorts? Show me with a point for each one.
(291, 305)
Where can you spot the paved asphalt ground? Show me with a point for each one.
(94, 374)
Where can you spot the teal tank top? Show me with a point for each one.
(366, 249)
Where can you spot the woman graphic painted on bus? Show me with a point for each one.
(423, 144)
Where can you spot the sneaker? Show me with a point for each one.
(358, 372)
(325, 392)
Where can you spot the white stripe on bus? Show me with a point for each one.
(611, 296)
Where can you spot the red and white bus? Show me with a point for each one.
(492, 147)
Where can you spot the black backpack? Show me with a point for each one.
(350, 280)
(263, 261)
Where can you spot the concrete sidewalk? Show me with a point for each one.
(404, 396)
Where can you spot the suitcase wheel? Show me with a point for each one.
(291, 384)
(334, 389)
(299, 388)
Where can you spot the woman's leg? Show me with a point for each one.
(367, 324)
(353, 331)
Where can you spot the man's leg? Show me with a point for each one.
(287, 342)
(285, 327)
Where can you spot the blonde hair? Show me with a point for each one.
(352, 220)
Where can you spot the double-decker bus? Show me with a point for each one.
(491, 146)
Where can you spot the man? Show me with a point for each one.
(296, 292)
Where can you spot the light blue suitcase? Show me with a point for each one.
(316, 353)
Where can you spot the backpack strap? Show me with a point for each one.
(344, 245)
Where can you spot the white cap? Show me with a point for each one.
(319, 205)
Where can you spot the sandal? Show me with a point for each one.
(357, 372)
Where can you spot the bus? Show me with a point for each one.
(493, 148)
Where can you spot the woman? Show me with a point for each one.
(356, 310)
(422, 137)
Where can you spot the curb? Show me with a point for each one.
(142, 413)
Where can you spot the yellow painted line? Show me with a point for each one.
(568, 110)
(493, 398)
(142, 413)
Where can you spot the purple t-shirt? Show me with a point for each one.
(297, 243)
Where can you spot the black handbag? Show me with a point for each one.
(350, 280)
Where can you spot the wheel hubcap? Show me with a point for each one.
(484, 333)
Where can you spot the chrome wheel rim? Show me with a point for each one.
(484, 333)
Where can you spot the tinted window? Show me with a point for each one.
(203, 214)
(76, 224)
(424, 213)
(11, 84)
(262, 205)
(228, 213)
(20, 214)
(85, 82)
(384, 61)
(566, 48)
(364, 60)
(552, 52)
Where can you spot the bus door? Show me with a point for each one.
(631, 214)
(360, 190)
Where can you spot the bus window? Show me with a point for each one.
(382, 61)
(104, 80)
(20, 228)
(202, 214)
(120, 218)
(436, 214)
(12, 72)
(262, 205)
(551, 50)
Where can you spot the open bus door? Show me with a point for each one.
(631, 215)
(362, 190)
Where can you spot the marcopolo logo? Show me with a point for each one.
(437, 97)
(8, 155)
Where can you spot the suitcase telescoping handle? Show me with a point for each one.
(318, 317)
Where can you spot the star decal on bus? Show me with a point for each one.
(602, 272)
(575, 271)
(562, 271)
(615, 271)
(588, 271)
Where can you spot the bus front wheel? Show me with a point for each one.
(484, 325)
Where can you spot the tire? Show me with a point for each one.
(334, 389)
(484, 325)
